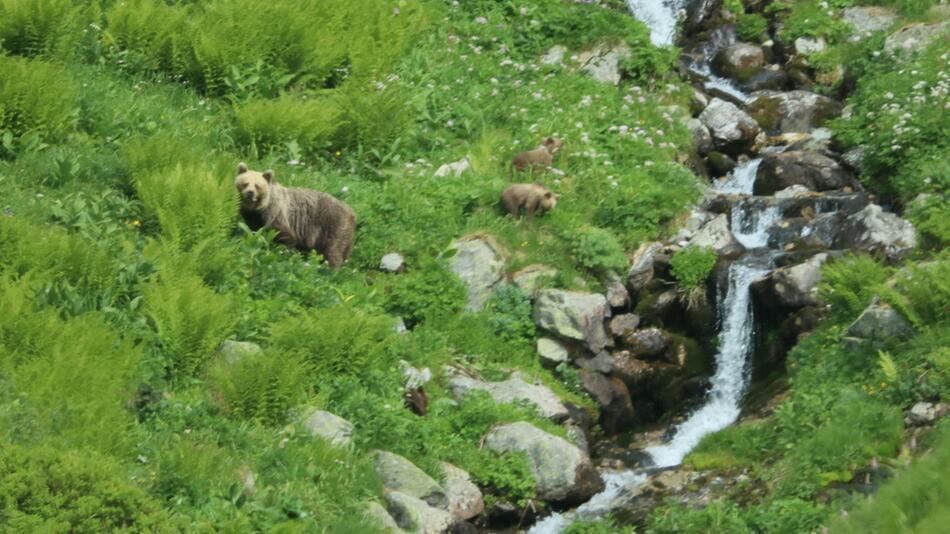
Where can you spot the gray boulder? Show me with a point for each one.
(881, 323)
(552, 352)
(807, 46)
(616, 408)
(728, 124)
(641, 266)
(815, 171)
(400, 475)
(914, 38)
(553, 56)
(792, 111)
(702, 140)
(416, 515)
(603, 62)
(795, 286)
(647, 343)
(740, 61)
(574, 315)
(866, 20)
(465, 499)
(602, 363)
(392, 263)
(513, 390)
(771, 78)
(926, 413)
(562, 472)
(717, 236)
(624, 324)
(530, 279)
(332, 428)
(616, 294)
(231, 351)
(875, 230)
(478, 262)
(377, 516)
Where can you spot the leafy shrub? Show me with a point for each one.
(373, 118)
(809, 19)
(598, 250)
(260, 386)
(691, 267)
(145, 36)
(787, 516)
(191, 473)
(190, 319)
(751, 26)
(37, 99)
(47, 489)
(849, 283)
(50, 28)
(335, 341)
(719, 516)
(267, 125)
(747, 444)
(431, 293)
(511, 311)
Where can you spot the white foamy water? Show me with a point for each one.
(660, 16)
(741, 179)
(615, 482)
(729, 382)
(750, 226)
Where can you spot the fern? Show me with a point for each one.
(888, 367)
(38, 99)
(849, 284)
(260, 386)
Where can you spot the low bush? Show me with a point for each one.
(260, 386)
(691, 267)
(48, 28)
(265, 126)
(37, 103)
(597, 250)
(429, 293)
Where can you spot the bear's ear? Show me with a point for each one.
(268, 175)
(242, 168)
(548, 194)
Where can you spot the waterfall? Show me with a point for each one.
(741, 179)
(615, 482)
(660, 16)
(750, 226)
(729, 382)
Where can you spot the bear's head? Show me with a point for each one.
(552, 144)
(548, 199)
(254, 187)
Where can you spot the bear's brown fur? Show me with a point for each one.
(533, 198)
(539, 158)
(304, 218)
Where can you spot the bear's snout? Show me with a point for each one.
(249, 195)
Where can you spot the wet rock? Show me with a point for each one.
(792, 111)
(792, 191)
(767, 79)
(416, 515)
(874, 230)
(809, 169)
(702, 140)
(647, 343)
(552, 352)
(795, 286)
(699, 13)
(562, 472)
(478, 262)
(455, 168)
(554, 55)
(694, 222)
(866, 20)
(641, 266)
(531, 278)
(624, 325)
(717, 236)
(617, 295)
(881, 323)
(574, 315)
(512, 390)
(330, 427)
(698, 102)
(720, 164)
(400, 475)
(612, 396)
(377, 516)
(914, 37)
(603, 62)
(231, 352)
(807, 46)
(465, 499)
(854, 157)
(926, 413)
(392, 263)
(740, 61)
(729, 125)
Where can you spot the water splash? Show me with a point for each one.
(615, 484)
(660, 16)
(728, 384)
(750, 225)
(741, 180)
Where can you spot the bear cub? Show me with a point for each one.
(304, 219)
(539, 158)
(533, 198)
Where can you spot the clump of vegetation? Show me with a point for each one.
(598, 250)
(691, 267)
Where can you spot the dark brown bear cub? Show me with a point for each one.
(304, 218)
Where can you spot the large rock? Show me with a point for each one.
(478, 262)
(914, 38)
(552, 352)
(465, 499)
(740, 61)
(531, 278)
(807, 46)
(647, 343)
(730, 126)
(926, 413)
(603, 62)
(795, 286)
(400, 475)
(332, 428)
(875, 230)
(554, 55)
(616, 294)
(231, 352)
(771, 78)
(624, 324)
(378, 517)
(792, 111)
(616, 408)
(393, 262)
(881, 323)
(574, 315)
(513, 390)
(562, 472)
(702, 140)
(717, 236)
(641, 266)
(416, 515)
(865, 20)
(810, 169)
(641, 375)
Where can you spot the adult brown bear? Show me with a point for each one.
(304, 218)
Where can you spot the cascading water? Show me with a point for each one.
(741, 180)
(660, 16)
